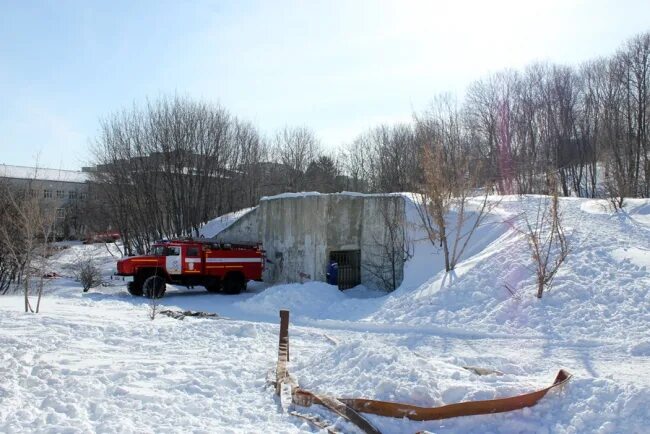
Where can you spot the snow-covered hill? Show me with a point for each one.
(602, 290)
(95, 363)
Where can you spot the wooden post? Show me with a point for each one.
(284, 330)
(282, 373)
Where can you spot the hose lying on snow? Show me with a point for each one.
(349, 408)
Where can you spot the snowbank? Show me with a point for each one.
(214, 226)
(601, 290)
(313, 300)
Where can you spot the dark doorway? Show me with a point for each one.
(349, 267)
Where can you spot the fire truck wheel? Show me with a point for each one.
(154, 287)
(213, 284)
(134, 289)
(234, 283)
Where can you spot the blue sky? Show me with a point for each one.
(338, 67)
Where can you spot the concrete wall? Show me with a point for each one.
(295, 237)
(299, 232)
(382, 241)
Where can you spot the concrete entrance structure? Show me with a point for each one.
(299, 231)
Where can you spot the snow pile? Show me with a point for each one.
(638, 210)
(428, 260)
(601, 290)
(214, 226)
(312, 300)
(293, 195)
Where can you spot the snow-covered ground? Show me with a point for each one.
(95, 362)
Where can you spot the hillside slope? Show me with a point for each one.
(602, 290)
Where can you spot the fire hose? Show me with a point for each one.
(350, 408)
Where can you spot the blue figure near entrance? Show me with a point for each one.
(333, 273)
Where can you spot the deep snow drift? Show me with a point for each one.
(95, 362)
(214, 226)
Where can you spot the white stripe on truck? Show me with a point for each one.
(228, 260)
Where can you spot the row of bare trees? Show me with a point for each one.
(588, 125)
(164, 169)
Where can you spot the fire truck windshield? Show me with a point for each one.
(165, 251)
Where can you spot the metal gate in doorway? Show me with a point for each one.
(349, 267)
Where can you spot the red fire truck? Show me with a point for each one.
(218, 267)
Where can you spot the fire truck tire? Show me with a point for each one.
(213, 285)
(154, 287)
(234, 283)
(134, 289)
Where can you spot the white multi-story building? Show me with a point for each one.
(63, 189)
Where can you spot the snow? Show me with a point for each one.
(312, 300)
(44, 174)
(94, 362)
(604, 281)
(637, 256)
(292, 195)
(214, 226)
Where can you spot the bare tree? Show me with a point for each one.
(385, 159)
(451, 205)
(321, 175)
(10, 265)
(165, 169)
(617, 186)
(392, 248)
(153, 307)
(296, 149)
(26, 234)
(521, 126)
(547, 240)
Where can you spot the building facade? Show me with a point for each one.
(63, 190)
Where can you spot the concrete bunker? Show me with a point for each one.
(302, 232)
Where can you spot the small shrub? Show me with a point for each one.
(88, 274)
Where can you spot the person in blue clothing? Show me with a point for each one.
(333, 273)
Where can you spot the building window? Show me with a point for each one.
(72, 194)
(60, 213)
(47, 194)
(60, 194)
(83, 196)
